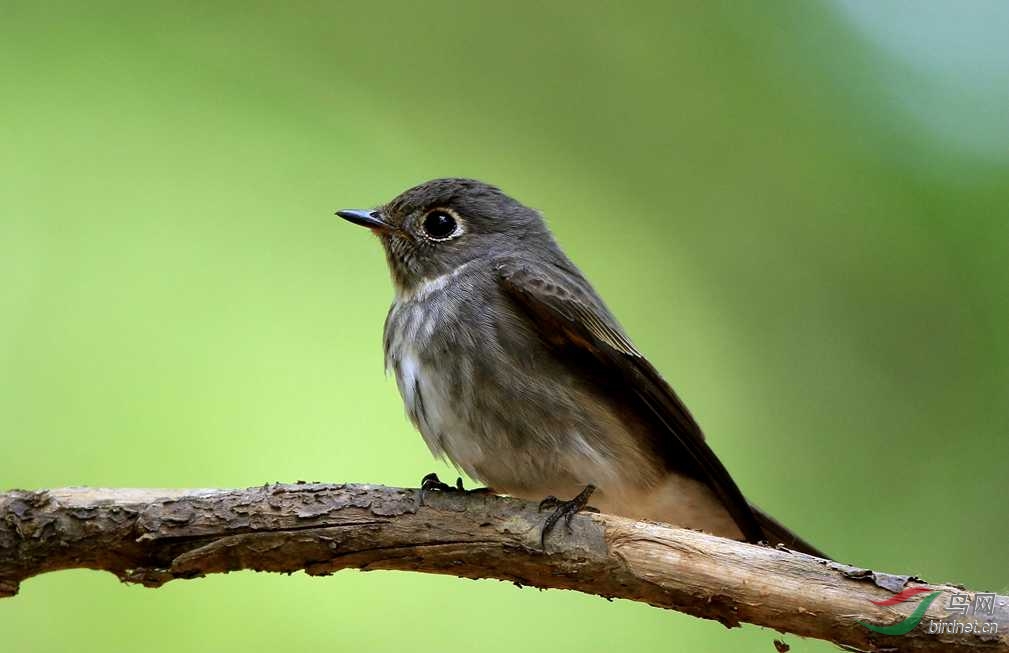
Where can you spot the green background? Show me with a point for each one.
(798, 210)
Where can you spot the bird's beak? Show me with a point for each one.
(365, 218)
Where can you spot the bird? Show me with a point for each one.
(512, 367)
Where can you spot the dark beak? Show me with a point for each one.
(365, 218)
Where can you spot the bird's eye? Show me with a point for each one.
(440, 224)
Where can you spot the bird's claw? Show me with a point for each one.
(565, 509)
(431, 483)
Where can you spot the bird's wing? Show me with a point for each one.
(576, 324)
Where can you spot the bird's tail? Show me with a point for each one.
(778, 533)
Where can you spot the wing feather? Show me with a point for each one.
(573, 320)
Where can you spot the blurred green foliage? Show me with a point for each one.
(822, 276)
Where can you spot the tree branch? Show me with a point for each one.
(154, 536)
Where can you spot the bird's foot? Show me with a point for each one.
(565, 509)
(431, 483)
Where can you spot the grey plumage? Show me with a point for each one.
(512, 367)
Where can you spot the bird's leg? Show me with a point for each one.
(565, 509)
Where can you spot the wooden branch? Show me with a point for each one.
(154, 536)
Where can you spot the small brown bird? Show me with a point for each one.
(512, 367)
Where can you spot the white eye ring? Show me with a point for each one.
(441, 224)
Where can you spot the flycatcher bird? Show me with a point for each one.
(512, 367)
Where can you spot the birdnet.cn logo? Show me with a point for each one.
(958, 606)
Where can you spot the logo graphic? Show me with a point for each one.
(957, 607)
(904, 627)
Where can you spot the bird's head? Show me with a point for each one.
(436, 227)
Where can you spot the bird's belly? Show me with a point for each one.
(502, 430)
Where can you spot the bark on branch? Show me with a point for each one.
(154, 536)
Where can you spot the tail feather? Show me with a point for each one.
(778, 533)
